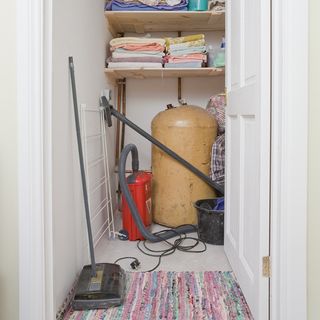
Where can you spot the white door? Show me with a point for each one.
(248, 147)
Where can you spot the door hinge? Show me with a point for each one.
(266, 267)
(225, 94)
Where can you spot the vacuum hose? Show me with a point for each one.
(134, 211)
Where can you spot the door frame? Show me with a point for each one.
(288, 193)
(288, 204)
(34, 105)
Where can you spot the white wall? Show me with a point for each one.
(79, 30)
(314, 167)
(146, 98)
(9, 277)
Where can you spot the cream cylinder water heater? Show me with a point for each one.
(190, 131)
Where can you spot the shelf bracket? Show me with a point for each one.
(121, 107)
(180, 100)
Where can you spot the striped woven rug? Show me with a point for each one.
(163, 295)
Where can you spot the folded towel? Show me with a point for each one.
(117, 5)
(136, 59)
(135, 55)
(140, 47)
(150, 53)
(186, 58)
(186, 44)
(136, 40)
(192, 37)
(153, 3)
(134, 65)
(180, 52)
(190, 64)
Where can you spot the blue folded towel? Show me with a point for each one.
(116, 5)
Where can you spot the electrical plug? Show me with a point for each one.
(135, 264)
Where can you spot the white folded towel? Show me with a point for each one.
(134, 65)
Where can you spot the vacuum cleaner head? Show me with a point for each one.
(105, 290)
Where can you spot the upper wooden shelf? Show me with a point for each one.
(144, 73)
(153, 21)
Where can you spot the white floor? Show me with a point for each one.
(213, 259)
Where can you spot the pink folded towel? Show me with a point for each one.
(140, 47)
(186, 58)
(136, 59)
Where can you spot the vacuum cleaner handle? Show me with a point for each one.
(82, 168)
(109, 110)
(135, 159)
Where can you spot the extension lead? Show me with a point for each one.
(176, 245)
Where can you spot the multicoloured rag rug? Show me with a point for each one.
(211, 295)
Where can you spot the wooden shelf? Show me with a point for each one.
(153, 21)
(120, 22)
(142, 73)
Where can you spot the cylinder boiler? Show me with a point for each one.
(190, 131)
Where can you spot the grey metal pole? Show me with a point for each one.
(83, 175)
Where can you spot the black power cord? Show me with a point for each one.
(177, 244)
(134, 264)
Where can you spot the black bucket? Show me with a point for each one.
(210, 221)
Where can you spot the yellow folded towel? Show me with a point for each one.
(192, 37)
(185, 45)
(135, 40)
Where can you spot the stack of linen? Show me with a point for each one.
(131, 52)
(185, 52)
(217, 6)
(147, 5)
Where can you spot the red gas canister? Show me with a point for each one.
(139, 184)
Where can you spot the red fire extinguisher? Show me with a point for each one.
(140, 187)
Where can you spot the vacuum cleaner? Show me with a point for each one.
(100, 285)
(110, 111)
